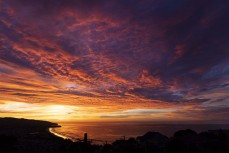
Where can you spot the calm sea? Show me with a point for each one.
(108, 132)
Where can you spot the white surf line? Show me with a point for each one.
(57, 134)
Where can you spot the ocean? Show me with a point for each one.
(100, 132)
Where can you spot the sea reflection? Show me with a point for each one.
(108, 132)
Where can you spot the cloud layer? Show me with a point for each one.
(121, 55)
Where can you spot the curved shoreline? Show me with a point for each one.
(57, 134)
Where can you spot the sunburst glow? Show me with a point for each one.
(114, 60)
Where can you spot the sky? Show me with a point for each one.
(115, 60)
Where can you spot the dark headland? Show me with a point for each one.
(33, 136)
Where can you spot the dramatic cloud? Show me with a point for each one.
(115, 56)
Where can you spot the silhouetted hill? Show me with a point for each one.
(16, 122)
(27, 136)
(32, 136)
(23, 127)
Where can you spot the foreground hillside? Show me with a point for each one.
(32, 136)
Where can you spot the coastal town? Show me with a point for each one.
(33, 136)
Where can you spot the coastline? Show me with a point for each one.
(50, 130)
(29, 136)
